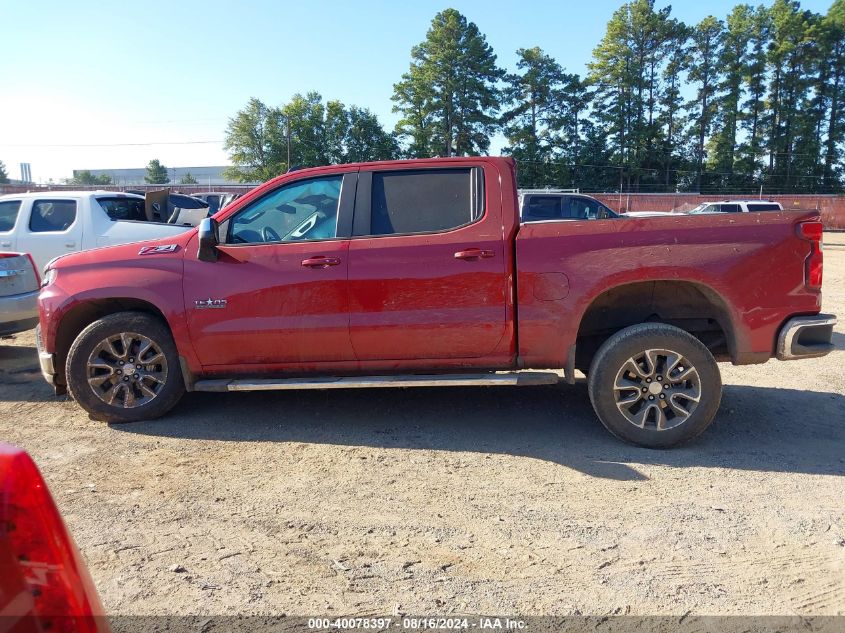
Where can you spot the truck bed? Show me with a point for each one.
(750, 265)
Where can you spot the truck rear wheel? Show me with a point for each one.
(654, 385)
(125, 368)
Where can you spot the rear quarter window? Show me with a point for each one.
(9, 214)
(119, 208)
(764, 207)
(578, 208)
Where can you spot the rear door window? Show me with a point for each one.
(51, 216)
(424, 201)
(541, 208)
(730, 208)
(9, 214)
(120, 208)
(581, 208)
(764, 207)
(213, 204)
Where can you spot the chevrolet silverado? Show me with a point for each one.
(418, 273)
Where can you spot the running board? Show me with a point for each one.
(515, 379)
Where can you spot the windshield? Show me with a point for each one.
(704, 207)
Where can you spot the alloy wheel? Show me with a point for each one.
(657, 389)
(127, 370)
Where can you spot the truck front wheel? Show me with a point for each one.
(125, 368)
(654, 385)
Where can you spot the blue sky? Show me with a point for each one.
(83, 75)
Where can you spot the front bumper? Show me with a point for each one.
(47, 361)
(18, 313)
(806, 337)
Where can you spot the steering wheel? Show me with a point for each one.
(269, 235)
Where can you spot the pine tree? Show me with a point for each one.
(733, 61)
(536, 115)
(628, 72)
(707, 39)
(834, 55)
(671, 102)
(787, 54)
(449, 96)
(156, 173)
(4, 177)
(611, 73)
(750, 150)
(806, 162)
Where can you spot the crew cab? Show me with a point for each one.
(419, 273)
(47, 224)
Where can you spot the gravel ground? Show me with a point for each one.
(436, 501)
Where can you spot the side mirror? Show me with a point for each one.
(208, 240)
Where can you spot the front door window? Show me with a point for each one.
(301, 211)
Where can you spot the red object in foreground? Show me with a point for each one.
(44, 584)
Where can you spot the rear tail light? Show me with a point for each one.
(31, 262)
(35, 269)
(43, 576)
(813, 266)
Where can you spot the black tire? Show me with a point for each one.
(167, 391)
(690, 417)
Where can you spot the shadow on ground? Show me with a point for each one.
(757, 428)
(760, 429)
(20, 375)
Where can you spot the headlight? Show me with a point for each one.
(49, 277)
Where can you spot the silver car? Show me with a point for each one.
(18, 293)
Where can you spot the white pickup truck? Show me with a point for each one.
(725, 206)
(52, 223)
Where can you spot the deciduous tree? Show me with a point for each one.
(85, 177)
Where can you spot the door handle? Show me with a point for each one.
(5, 245)
(70, 244)
(474, 253)
(320, 262)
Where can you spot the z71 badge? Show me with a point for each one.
(209, 304)
(163, 248)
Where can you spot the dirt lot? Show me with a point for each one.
(500, 500)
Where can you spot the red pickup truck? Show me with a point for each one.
(418, 273)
